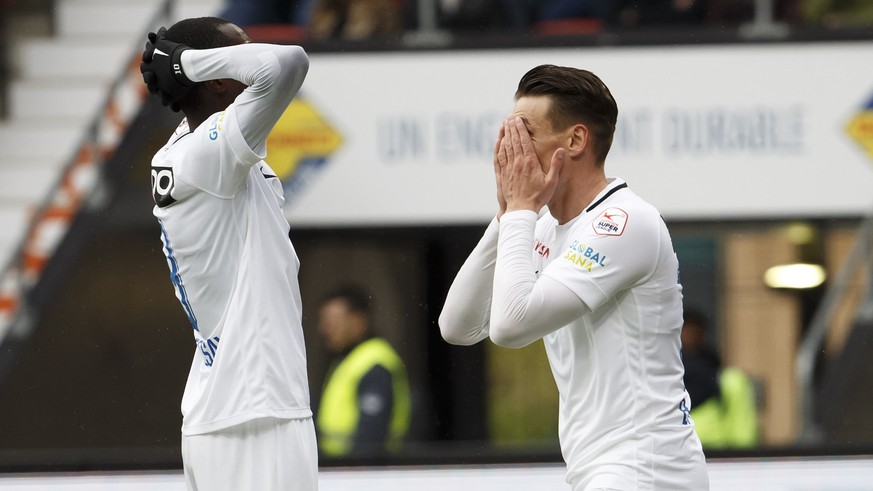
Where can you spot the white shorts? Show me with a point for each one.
(265, 454)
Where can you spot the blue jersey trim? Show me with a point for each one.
(176, 278)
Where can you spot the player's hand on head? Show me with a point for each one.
(525, 185)
(161, 68)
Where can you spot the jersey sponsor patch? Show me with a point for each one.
(610, 222)
(215, 125)
(208, 348)
(162, 186)
(542, 249)
(584, 256)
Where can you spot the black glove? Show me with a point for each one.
(161, 69)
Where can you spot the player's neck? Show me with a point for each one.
(578, 191)
(197, 115)
(195, 119)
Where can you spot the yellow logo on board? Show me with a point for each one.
(300, 144)
(860, 128)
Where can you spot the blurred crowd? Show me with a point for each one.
(361, 19)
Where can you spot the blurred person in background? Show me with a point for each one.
(574, 9)
(724, 13)
(636, 13)
(365, 404)
(246, 419)
(246, 13)
(485, 15)
(723, 402)
(355, 19)
(580, 261)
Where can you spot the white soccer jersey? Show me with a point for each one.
(623, 408)
(226, 241)
(623, 415)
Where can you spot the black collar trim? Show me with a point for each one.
(608, 194)
(180, 137)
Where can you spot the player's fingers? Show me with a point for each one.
(512, 131)
(498, 146)
(499, 156)
(500, 159)
(518, 152)
(525, 145)
(514, 139)
(507, 142)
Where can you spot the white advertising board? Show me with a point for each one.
(708, 132)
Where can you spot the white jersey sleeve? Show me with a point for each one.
(464, 318)
(273, 74)
(611, 253)
(526, 307)
(497, 294)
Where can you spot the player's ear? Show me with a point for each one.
(577, 139)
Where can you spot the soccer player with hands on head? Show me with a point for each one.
(246, 419)
(580, 261)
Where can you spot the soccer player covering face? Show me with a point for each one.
(246, 423)
(595, 277)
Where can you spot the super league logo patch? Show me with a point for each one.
(610, 222)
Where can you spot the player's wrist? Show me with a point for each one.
(521, 214)
(521, 206)
(176, 65)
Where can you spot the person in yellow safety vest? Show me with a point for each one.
(365, 404)
(723, 403)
